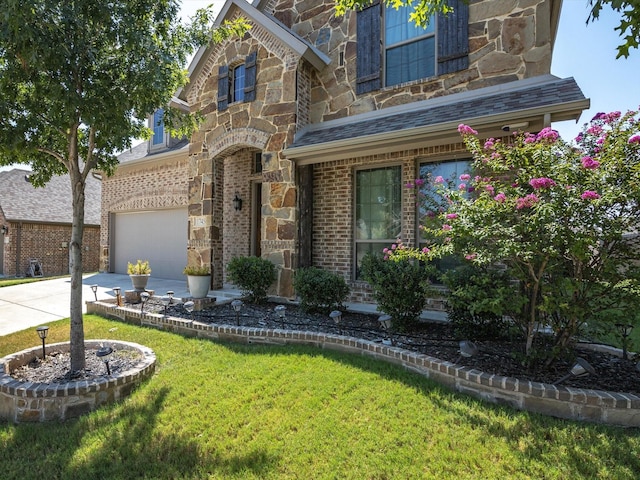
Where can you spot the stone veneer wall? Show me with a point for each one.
(150, 185)
(48, 243)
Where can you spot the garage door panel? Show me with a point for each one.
(159, 236)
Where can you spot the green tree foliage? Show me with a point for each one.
(629, 28)
(77, 81)
(562, 219)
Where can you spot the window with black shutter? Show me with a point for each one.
(409, 52)
(237, 83)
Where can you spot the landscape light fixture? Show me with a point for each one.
(467, 350)
(189, 306)
(281, 311)
(166, 301)
(237, 306)
(94, 289)
(336, 316)
(170, 295)
(625, 330)
(116, 290)
(581, 368)
(385, 324)
(237, 203)
(144, 298)
(42, 333)
(104, 354)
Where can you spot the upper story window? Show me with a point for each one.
(158, 127)
(410, 51)
(238, 83)
(391, 50)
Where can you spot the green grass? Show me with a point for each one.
(228, 411)
(7, 282)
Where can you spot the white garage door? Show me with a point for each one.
(159, 236)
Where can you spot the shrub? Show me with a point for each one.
(319, 291)
(253, 275)
(197, 270)
(138, 268)
(479, 300)
(400, 287)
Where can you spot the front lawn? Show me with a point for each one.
(227, 411)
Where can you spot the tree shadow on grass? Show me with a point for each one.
(116, 442)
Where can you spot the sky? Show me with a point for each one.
(584, 52)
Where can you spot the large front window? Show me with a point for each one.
(410, 51)
(378, 218)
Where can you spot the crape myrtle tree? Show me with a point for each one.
(562, 218)
(423, 10)
(78, 79)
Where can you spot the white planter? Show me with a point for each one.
(199, 285)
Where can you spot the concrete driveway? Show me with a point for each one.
(31, 304)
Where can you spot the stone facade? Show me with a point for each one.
(508, 41)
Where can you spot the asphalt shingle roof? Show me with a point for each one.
(21, 201)
(544, 94)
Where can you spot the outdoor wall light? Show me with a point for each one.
(144, 298)
(94, 289)
(189, 306)
(580, 368)
(625, 331)
(237, 202)
(237, 306)
(281, 311)
(104, 354)
(116, 290)
(42, 333)
(5, 230)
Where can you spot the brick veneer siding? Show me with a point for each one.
(48, 243)
(555, 400)
(147, 186)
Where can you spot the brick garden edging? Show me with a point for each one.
(559, 401)
(40, 402)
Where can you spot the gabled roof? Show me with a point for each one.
(535, 102)
(276, 30)
(21, 201)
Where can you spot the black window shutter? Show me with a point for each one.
(368, 50)
(223, 87)
(250, 77)
(453, 39)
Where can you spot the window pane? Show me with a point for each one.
(398, 27)
(238, 84)
(411, 61)
(158, 127)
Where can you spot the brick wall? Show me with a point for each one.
(48, 243)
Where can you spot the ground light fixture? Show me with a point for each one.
(189, 306)
(94, 289)
(581, 368)
(170, 294)
(166, 301)
(43, 331)
(117, 290)
(467, 349)
(237, 306)
(281, 311)
(104, 354)
(336, 316)
(144, 298)
(625, 330)
(385, 324)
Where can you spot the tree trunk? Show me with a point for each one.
(75, 268)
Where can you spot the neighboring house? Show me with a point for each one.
(35, 224)
(316, 123)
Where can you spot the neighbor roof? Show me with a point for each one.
(22, 202)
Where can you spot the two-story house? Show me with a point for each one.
(314, 123)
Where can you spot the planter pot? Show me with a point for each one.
(199, 285)
(139, 282)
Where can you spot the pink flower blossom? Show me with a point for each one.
(465, 176)
(385, 250)
(634, 138)
(548, 134)
(527, 202)
(446, 226)
(589, 163)
(542, 182)
(530, 138)
(490, 189)
(470, 256)
(500, 198)
(419, 182)
(589, 195)
(431, 214)
(425, 250)
(394, 246)
(451, 216)
(489, 144)
(439, 179)
(462, 186)
(466, 130)
(594, 130)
